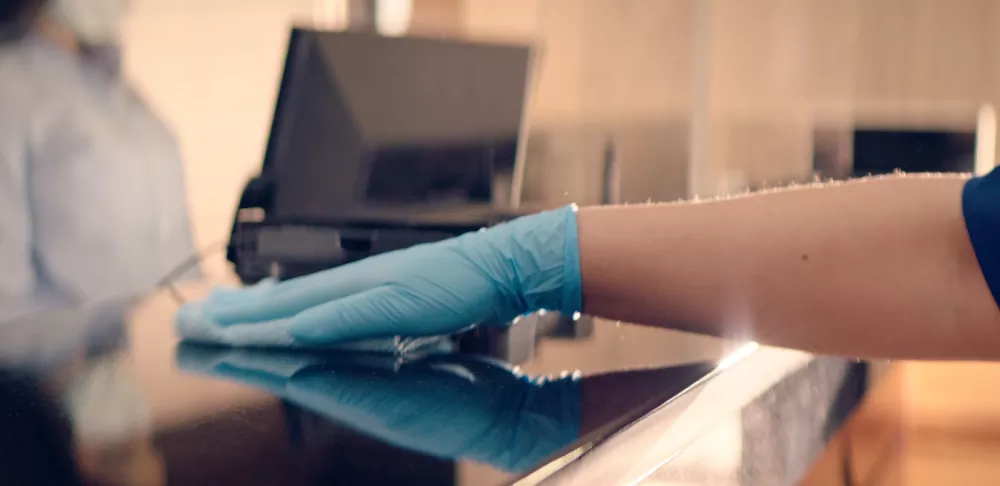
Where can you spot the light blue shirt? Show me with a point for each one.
(92, 197)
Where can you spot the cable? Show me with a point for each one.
(167, 282)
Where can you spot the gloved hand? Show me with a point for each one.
(486, 277)
(450, 406)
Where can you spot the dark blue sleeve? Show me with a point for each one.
(981, 208)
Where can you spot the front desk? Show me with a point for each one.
(648, 404)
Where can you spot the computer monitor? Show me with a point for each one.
(365, 122)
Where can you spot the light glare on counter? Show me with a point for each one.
(738, 355)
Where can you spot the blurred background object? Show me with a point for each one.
(93, 198)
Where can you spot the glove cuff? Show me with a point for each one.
(547, 261)
(572, 294)
(533, 263)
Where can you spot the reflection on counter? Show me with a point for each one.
(447, 406)
(83, 389)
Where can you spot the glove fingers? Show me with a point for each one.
(376, 313)
(285, 299)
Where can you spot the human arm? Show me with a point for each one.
(877, 268)
(880, 267)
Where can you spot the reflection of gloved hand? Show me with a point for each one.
(446, 406)
(489, 276)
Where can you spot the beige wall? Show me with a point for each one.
(437, 17)
(780, 68)
(604, 70)
(756, 78)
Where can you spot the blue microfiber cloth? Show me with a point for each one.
(194, 324)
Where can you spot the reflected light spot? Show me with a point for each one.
(737, 356)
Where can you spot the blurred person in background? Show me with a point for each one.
(92, 194)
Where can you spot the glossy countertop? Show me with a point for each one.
(566, 401)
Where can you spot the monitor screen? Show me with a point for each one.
(365, 121)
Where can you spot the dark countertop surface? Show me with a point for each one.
(117, 401)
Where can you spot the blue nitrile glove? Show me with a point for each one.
(455, 407)
(485, 277)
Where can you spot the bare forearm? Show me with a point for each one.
(872, 268)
